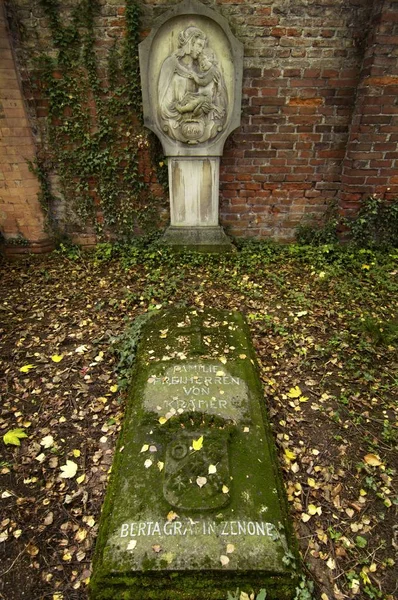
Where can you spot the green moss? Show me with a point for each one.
(236, 439)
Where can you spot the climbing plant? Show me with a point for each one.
(95, 138)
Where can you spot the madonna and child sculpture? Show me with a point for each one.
(191, 76)
(192, 92)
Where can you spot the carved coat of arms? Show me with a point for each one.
(197, 480)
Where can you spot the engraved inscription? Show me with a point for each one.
(200, 387)
(191, 527)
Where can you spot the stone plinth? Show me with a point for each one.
(195, 507)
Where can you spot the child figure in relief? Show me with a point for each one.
(211, 96)
(192, 91)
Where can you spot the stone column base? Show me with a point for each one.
(201, 239)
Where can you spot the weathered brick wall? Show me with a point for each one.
(302, 65)
(318, 119)
(370, 164)
(21, 217)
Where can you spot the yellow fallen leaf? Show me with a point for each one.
(225, 489)
(80, 479)
(67, 557)
(26, 368)
(162, 420)
(144, 448)
(230, 548)
(81, 535)
(212, 469)
(76, 453)
(197, 444)
(224, 560)
(313, 510)
(223, 360)
(242, 356)
(114, 388)
(289, 454)
(311, 482)
(171, 516)
(294, 392)
(305, 517)
(373, 460)
(57, 358)
(160, 465)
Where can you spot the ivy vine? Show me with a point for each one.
(96, 140)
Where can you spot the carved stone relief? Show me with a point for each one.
(192, 93)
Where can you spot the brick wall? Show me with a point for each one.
(319, 122)
(21, 217)
(370, 164)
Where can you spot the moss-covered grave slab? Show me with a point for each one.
(195, 506)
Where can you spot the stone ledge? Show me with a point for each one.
(201, 239)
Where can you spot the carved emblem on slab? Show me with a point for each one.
(191, 90)
(197, 480)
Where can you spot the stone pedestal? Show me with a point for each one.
(194, 185)
(191, 76)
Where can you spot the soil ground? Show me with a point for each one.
(324, 325)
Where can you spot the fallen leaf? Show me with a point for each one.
(197, 444)
(69, 470)
(171, 516)
(212, 469)
(201, 481)
(57, 358)
(373, 460)
(230, 548)
(14, 436)
(131, 545)
(289, 454)
(224, 560)
(144, 448)
(156, 548)
(27, 368)
(160, 465)
(148, 463)
(47, 441)
(81, 349)
(81, 535)
(225, 489)
(294, 392)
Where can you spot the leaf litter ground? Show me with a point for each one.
(325, 332)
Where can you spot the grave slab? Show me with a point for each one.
(195, 506)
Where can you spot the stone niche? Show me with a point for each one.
(191, 78)
(195, 506)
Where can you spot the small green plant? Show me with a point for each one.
(381, 333)
(310, 235)
(125, 346)
(375, 225)
(69, 250)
